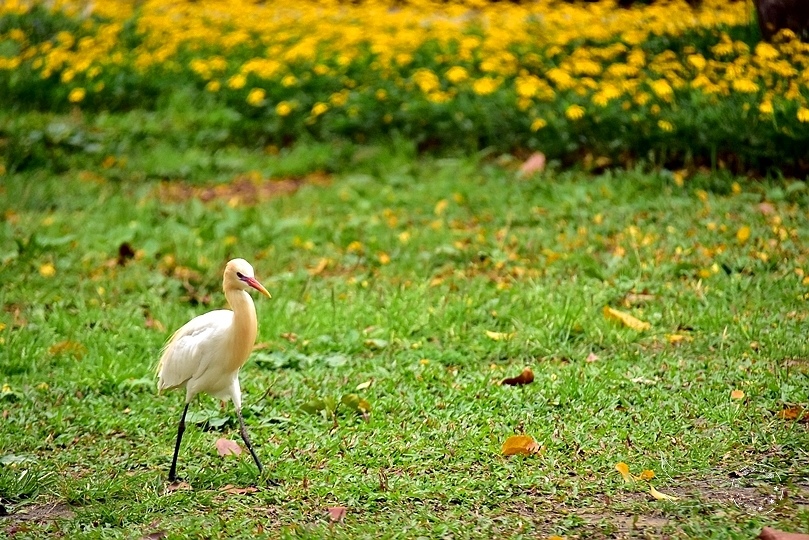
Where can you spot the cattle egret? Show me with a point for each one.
(205, 355)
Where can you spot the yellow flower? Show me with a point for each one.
(381, 94)
(766, 51)
(485, 86)
(76, 95)
(765, 107)
(426, 80)
(256, 97)
(538, 124)
(665, 125)
(456, 74)
(319, 108)
(237, 81)
(697, 60)
(662, 88)
(47, 270)
(283, 108)
(745, 86)
(213, 86)
(575, 112)
(803, 115)
(289, 80)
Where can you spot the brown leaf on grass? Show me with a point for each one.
(766, 208)
(768, 533)
(178, 486)
(226, 447)
(626, 319)
(157, 535)
(321, 265)
(635, 299)
(793, 412)
(337, 513)
(523, 445)
(661, 496)
(534, 164)
(233, 490)
(592, 357)
(70, 348)
(526, 377)
(737, 394)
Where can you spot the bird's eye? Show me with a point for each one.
(239, 275)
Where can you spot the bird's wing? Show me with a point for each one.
(187, 348)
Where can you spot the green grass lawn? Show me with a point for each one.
(424, 282)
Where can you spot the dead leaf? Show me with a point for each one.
(233, 490)
(768, 533)
(534, 164)
(178, 486)
(766, 208)
(292, 337)
(526, 377)
(793, 412)
(71, 348)
(157, 535)
(737, 394)
(322, 264)
(626, 319)
(523, 445)
(226, 447)
(499, 336)
(634, 299)
(674, 339)
(661, 496)
(592, 357)
(623, 468)
(365, 385)
(337, 513)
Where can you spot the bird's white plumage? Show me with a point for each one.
(193, 356)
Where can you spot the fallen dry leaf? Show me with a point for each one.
(592, 357)
(337, 513)
(737, 394)
(768, 533)
(499, 336)
(320, 267)
(178, 486)
(523, 445)
(364, 385)
(233, 490)
(623, 468)
(766, 208)
(793, 412)
(626, 319)
(677, 338)
(226, 447)
(534, 164)
(526, 377)
(661, 496)
(71, 348)
(157, 535)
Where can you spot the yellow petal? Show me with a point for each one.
(499, 336)
(626, 319)
(524, 445)
(648, 474)
(623, 468)
(743, 234)
(47, 270)
(661, 496)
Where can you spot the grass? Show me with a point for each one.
(391, 272)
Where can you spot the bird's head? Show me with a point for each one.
(239, 275)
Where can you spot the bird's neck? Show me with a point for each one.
(245, 325)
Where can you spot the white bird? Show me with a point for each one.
(205, 355)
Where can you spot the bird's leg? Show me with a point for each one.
(243, 431)
(180, 431)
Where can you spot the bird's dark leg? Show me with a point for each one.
(180, 431)
(243, 431)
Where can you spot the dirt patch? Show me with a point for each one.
(246, 190)
(41, 512)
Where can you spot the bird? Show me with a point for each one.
(206, 353)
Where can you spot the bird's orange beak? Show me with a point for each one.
(253, 282)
